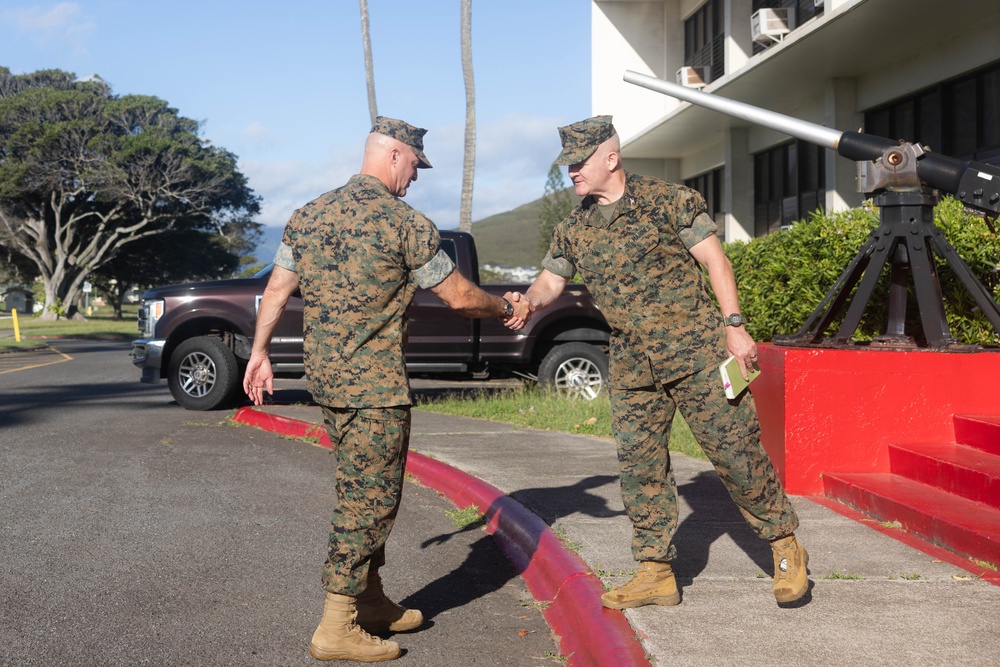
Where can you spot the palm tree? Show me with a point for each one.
(369, 70)
(468, 171)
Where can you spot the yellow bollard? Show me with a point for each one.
(17, 329)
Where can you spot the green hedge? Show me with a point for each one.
(784, 276)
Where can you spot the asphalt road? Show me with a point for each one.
(135, 532)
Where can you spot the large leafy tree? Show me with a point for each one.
(16, 269)
(85, 173)
(181, 254)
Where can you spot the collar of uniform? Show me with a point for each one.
(370, 181)
(592, 211)
(629, 200)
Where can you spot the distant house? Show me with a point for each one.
(517, 274)
(20, 299)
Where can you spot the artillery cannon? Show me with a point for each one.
(900, 178)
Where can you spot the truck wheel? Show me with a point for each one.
(574, 369)
(203, 373)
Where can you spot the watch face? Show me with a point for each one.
(734, 320)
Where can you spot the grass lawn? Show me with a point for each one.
(101, 324)
(551, 412)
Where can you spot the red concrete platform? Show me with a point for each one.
(959, 469)
(909, 438)
(824, 411)
(960, 525)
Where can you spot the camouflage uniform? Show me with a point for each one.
(667, 340)
(360, 254)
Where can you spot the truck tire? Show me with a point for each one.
(575, 369)
(203, 374)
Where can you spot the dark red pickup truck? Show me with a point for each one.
(198, 336)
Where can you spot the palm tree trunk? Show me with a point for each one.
(369, 68)
(468, 172)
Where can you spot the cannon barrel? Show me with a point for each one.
(976, 184)
(811, 132)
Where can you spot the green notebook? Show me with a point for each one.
(732, 378)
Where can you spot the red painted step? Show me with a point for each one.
(958, 524)
(964, 471)
(979, 431)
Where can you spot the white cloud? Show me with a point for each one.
(256, 133)
(513, 156)
(286, 185)
(62, 24)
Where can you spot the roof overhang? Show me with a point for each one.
(859, 39)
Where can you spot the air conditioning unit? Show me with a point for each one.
(694, 77)
(771, 25)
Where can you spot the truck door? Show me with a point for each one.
(438, 334)
(286, 342)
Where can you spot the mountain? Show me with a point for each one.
(511, 238)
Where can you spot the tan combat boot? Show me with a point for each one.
(791, 561)
(377, 613)
(338, 637)
(653, 583)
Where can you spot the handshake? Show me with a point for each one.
(523, 308)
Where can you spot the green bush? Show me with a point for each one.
(784, 276)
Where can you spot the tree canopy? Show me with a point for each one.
(179, 255)
(85, 173)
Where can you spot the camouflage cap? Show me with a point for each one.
(581, 139)
(406, 133)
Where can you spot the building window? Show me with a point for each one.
(789, 182)
(704, 39)
(803, 10)
(709, 185)
(959, 118)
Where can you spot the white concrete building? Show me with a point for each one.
(926, 71)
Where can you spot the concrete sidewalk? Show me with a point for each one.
(877, 598)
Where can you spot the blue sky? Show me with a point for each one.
(281, 84)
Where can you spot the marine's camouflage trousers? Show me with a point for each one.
(729, 434)
(370, 445)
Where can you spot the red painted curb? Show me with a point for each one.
(588, 633)
(293, 428)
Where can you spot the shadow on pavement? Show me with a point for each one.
(486, 568)
(20, 408)
(556, 503)
(713, 515)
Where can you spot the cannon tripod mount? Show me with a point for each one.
(901, 179)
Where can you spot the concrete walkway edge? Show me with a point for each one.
(588, 633)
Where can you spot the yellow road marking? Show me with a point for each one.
(31, 356)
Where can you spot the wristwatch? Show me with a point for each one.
(734, 320)
(508, 309)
